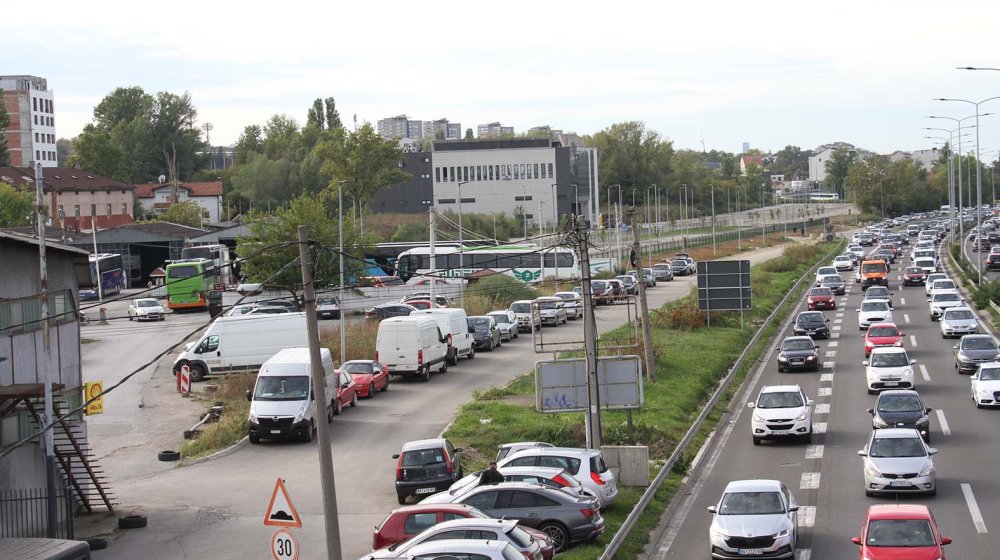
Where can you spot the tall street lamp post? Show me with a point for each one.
(340, 293)
(555, 209)
(461, 247)
(961, 222)
(951, 172)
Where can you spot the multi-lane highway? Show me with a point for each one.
(826, 476)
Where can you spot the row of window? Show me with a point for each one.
(46, 105)
(46, 121)
(49, 138)
(499, 172)
(413, 263)
(23, 315)
(43, 155)
(93, 209)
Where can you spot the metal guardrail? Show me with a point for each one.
(682, 446)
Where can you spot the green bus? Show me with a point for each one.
(188, 283)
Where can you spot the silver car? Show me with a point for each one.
(896, 460)
(663, 272)
(146, 309)
(754, 518)
(506, 322)
(958, 321)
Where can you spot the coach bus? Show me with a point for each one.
(527, 263)
(188, 283)
(106, 271)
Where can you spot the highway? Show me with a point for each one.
(826, 476)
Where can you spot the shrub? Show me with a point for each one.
(501, 290)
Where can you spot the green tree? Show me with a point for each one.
(792, 162)
(187, 213)
(316, 117)
(4, 123)
(251, 142)
(95, 151)
(16, 206)
(411, 231)
(64, 149)
(837, 168)
(468, 134)
(332, 116)
(632, 156)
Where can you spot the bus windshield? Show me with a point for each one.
(179, 272)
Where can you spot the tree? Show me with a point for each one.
(95, 151)
(332, 116)
(837, 168)
(187, 213)
(16, 206)
(316, 117)
(251, 142)
(4, 123)
(792, 162)
(632, 156)
(468, 134)
(64, 149)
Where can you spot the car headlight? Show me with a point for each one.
(908, 372)
(802, 417)
(985, 393)
(871, 471)
(253, 418)
(899, 342)
(301, 413)
(878, 422)
(962, 357)
(811, 358)
(758, 418)
(782, 533)
(928, 470)
(922, 421)
(782, 358)
(716, 533)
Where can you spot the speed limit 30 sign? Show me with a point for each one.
(284, 546)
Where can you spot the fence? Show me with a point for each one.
(24, 513)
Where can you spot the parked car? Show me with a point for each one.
(421, 304)
(647, 275)
(506, 449)
(618, 289)
(572, 303)
(943, 300)
(370, 376)
(897, 461)
(798, 352)
(553, 477)
(485, 333)
(439, 300)
(282, 403)
(146, 309)
(630, 283)
(527, 319)
(327, 307)
(587, 465)
(821, 298)
(680, 267)
(448, 549)
(507, 323)
(986, 385)
(474, 528)
(901, 408)
(663, 272)
(900, 531)
(958, 321)
(602, 291)
(811, 323)
(381, 281)
(781, 411)
(426, 466)
(975, 349)
(752, 516)
(914, 276)
(454, 325)
(551, 310)
(387, 310)
(883, 334)
(888, 367)
(411, 346)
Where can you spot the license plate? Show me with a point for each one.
(275, 431)
(751, 551)
(898, 483)
(424, 491)
(891, 383)
(780, 432)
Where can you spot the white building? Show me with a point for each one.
(31, 135)
(925, 158)
(158, 197)
(822, 154)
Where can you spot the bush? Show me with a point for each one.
(989, 292)
(500, 290)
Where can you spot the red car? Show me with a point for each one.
(821, 298)
(914, 276)
(896, 531)
(346, 392)
(883, 334)
(406, 522)
(420, 304)
(369, 376)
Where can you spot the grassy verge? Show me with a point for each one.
(684, 381)
(232, 425)
(89, 340)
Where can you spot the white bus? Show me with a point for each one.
(824, 197)
(527, 263)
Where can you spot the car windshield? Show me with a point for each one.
(500, 318)
(788, 399)
(598, 285)
(978, 344)
(827, 270)
(873, 267)
(282, 388)
(480, 322)
(811, 318)
(914, 270)
(900, 403)
(566, 295)
(547, 305)
(944, 285)
(821, 292)
(889, 359)
(792, 345)
(900, 532)
(422, 457)
(326, 301)
(882, 331)
(751, 503)
(147, 303)
(989, 374)
(874, 306)
(521, 308)
(832, 280)
(358, 368)
(679, 262)
(897, 447)
(661, 267)
(958, 315)
(877, 292)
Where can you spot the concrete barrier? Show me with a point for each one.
(629, 463)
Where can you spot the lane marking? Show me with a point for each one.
(924, 374)
(809, 481)
(836, 327)
(839, 314)
(837, 321)
(814, 452)
(807, 516)
(944, 423)
(830, 353)
(906, 318)
(826, 377)
(913, 341)
(970, 501)
(829, 365)
(822, 408)
(803, 553)
(833, 344)
(835, 335)
(902, 301)
(824, 391)
(819, 427)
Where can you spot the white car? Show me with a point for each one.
(551, 310)
(527, 320)
(146, 309)
(958, 321)
(464, 548)
(826, 271)
(553, 477)
(931, 278)
(874, 311)
(573, 304)
(755, 518)
(986, 385)
(928, 264)
(942, 300)
(327, 307)
(781, 411)
(944, 284)
(506, 322)
(843, 263)
(587, 465)
(889, 367)
(857, 250)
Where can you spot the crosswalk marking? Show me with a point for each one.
(809, 481)
(803, 553)
(819, 427)
(830, 353)
(814, 452)
(829, 365)
(822, 408)
(824, 391)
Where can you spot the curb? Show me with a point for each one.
(218, 454)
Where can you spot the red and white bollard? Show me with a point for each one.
(184, 381)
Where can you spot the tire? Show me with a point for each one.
(781, 369)
(557, 533)
(401, 499)
(756, 440)
(308, 435)
(168, 456)
(452, 357)
(808, 438)
(354, 399)
(254, 439)
(97, 543)
(933, 492)
(197, 372)
(386, 386)
(132, 522)
(442, 369)
(372, 390)
(426, 375)
(869, 494)
(163, 318)
(472, 354)
(337, 407)
(329, 415)
(130, 317)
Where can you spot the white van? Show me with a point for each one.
(242, 343)
(455, 326)
(282, 404)
(409, 346)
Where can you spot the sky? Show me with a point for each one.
(701, 74)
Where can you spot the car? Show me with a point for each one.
(985, 384)
(371, 377)
(602, 292)
(874, 311)
(872, 272)
(930, 278)
(889, 367)
(506, 322)
(754, 519)
(572, 303)
(975, 349)
(901, 408)
(928, 264)
(648, 277)
(898, 461)
(587, 465)
(345, 393)
(387, 310)
(630, 283)
(663, 272)
(680, 267)
(993, 261)
(843, 262)
(811, 323)
(857, 251)
(380, 281)
(551, 310)
(826, 271)
(883, 334)
(958, 321)
(553, 477)
(914, 276)
(879, 292)
(463, 549)
(900, 531)
(506, 449)
(426, 466)
(798, 352)
(943, 300)
(421, 304)
(781, 411)
(527, 319)
(327, 307)
(565, 518)
(439, 300)
(886, 255)
(475, 528)
(485, 333)
(835, 283)
(821, 298)
(944, 284)
(146, 309)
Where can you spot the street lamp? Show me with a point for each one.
(961, 223)
(340, 292)
(461, 247)
(555, 209)
(951, 170)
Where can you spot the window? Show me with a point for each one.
(524, 171)
(452, 174)
(34, 103)
(551, 175)
(210, 344)
(522, 462)
(571, 464)
(448, 535)
(481, 535)
(543, 171)
(536, 170)
(37, 136)
(437, 174)
(36, 119)
(451, 516)
(446, 201)
(479, 172)
(108, 209)
(38, 155)
(490, 168)
(124, 208)
(516, 174)
(93, 209)
(76, 210)
(483, 500)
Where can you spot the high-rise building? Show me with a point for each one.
(400, 126)
(31, 134)
(493, 130)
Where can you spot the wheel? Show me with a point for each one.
(162, 317)
(129, 316)
(426, 376)
(869, 494)
(933, 492)
(337, 407)
(132, 522)
(197, 373)
(372, 390)
(781, 369)
(385, 387)
(354, 399)
(97, 543)
(329, 415)
(756, 440)
(452, 356)
(254, 438)
(808, 437)
(443, 368)
(402, 499)
(307, 436)
(472, 353)
(557, 533)
(168, 456)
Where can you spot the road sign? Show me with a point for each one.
(94, 390)
(561, 385)
(185, 379)
(284, 545)
(280, 511)
(724, 285)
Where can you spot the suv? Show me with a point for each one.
(426, 466)
(527, 320)
(587, 465)
(798, 352)
(754, 518)
(781, 411)
(901, 408)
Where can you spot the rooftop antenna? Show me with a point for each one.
(208, 132)
(702, 141)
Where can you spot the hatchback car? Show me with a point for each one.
(896, 460)
(835, 283)
(900, 531)
(986, 385)
(811, 323)
(327, 307)
(146, 309)
(461, 529)
(883, 334)
(958, 321)
(506, 322)
(587, 465)
(506, 449)
(663, 272)
(929, 280)
(781, 411)
(485, 333)
(874, 311)
(826, 271)
(464, 549)
(975, 349)
(630, 283)
(889, 367)
(387, 310)
(901, 408)
(551, 310)
(821, 298)
(944, 284)
(879, 292)
(754, 519)
(426, 466)
(914, 276)
(843, 262)
(370, 376)
(572, 303)
(798, 352)
(602, 292)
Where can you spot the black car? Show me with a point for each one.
(812, 324)
(798, 352)
(901, 408)
(387, 310)
(427, 466)
(485, 333)
(885, 254)
(993, 261)
(993, 237)
(680, 267)
(288, 304)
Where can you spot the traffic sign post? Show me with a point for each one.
(724, 285)
(284, 545)
(280, 511)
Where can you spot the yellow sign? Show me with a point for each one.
(94, 391)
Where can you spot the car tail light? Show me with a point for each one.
(597, 478)
(589, 512)
(420, 357)
(399, 467)
(448, 464)
(558, 479)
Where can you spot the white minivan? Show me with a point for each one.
(282, 404)
(242, 343)
(455, 325)
(410, 346)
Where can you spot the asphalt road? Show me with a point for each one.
(826, 477)
(215, 509)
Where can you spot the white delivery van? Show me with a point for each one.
(242, 343)
(410, 346)
(455, 326)
(282, 404)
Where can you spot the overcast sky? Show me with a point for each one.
(769, 73)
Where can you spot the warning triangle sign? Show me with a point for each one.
(281, 512)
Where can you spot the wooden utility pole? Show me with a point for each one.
(647, 331)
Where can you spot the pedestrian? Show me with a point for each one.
(491, 475)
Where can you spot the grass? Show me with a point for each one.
(89, 340)
(232, 425)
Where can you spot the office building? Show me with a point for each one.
(494, 130)
(31, 134)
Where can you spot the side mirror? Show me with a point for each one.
(912, 362)
(928, 410)
(395, 455)
(945, 540)
(458, 450)
(810, 402)
(793, 508)
(249, 396)
(871, 411)
(712, 509)
(827, 320)
(932, 451)
(862, 453)
(864, 363)
(345, 385)
(816, 347)
(955, 347)
(750, 405)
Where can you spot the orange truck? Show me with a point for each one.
(874, 273)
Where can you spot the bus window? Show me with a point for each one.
(182, 272)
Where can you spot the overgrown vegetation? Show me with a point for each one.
(232, 425)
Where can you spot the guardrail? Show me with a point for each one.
(682, 446)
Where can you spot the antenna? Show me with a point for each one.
(208, 132)
(702, 141)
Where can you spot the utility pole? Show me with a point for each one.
(647, 332)
(593, 415)
(342, 324)
(433, 274)
(330, 514)
(46, 364)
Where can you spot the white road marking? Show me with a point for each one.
(835, 335)
(821, 408)
(839, 314)
(829, 365)
(836, 327)
(902, 301)
(803, 553)
(824, 391)
(924, 374)
(830, 353)
(906, 318)
(833, 344)
(819, 427)
(814, 452)
(810, 481)
(837, 321)
(944, 423)
(913, 341)
(970, 501)
(826, 377)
